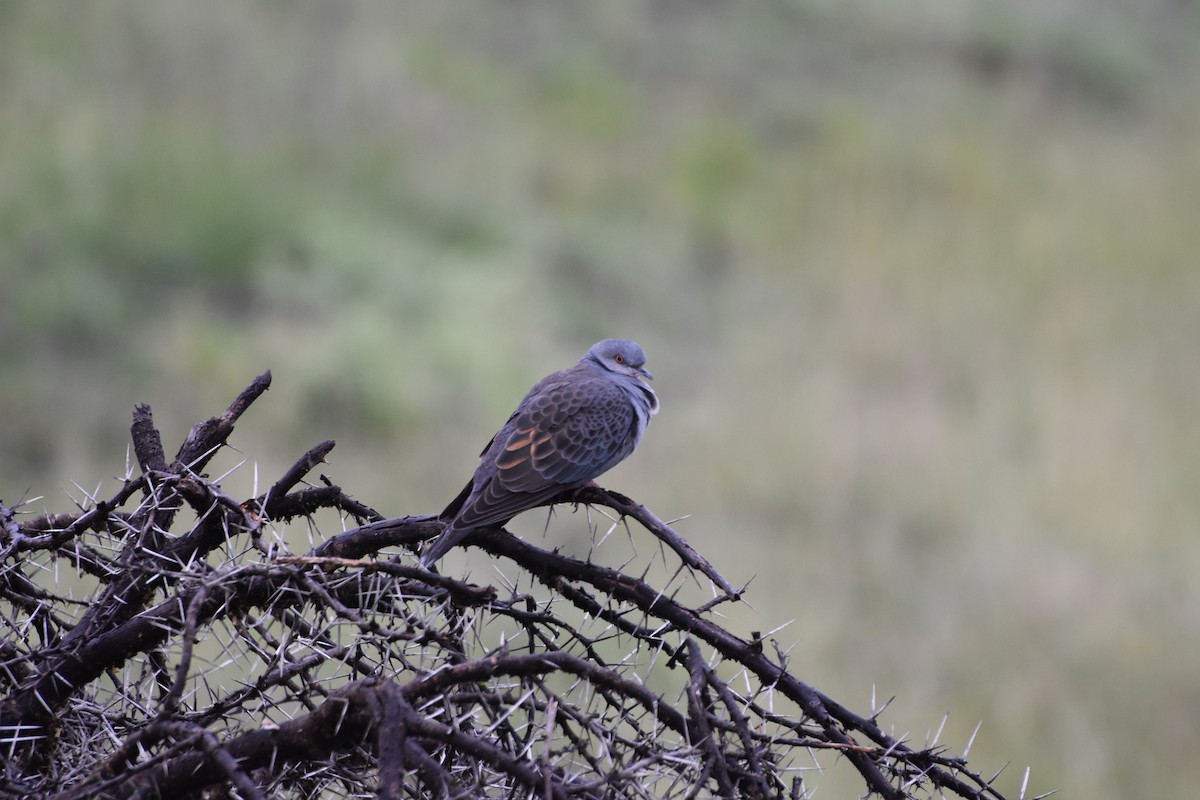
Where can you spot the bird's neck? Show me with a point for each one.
(648, 393)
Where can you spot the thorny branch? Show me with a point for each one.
(203, 660)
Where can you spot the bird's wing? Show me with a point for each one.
(564, 434)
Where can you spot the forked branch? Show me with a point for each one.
(203, 659)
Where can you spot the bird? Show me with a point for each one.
(570, 428)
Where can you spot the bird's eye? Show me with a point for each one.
(619, 359)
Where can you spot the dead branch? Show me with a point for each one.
(203, 660)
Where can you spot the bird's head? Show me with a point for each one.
(622, 356)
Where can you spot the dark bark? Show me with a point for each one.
(380, 674)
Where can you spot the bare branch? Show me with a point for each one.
(201, 662)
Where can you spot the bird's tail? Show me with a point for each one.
(442, 545)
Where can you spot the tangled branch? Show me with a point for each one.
(202, 658)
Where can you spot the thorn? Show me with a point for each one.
(938, 734)
(971, 741)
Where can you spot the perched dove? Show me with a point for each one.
(571, 427)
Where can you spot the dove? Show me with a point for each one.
(569, 429)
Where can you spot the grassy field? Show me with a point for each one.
(918, 282)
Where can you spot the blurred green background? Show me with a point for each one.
(918, 282)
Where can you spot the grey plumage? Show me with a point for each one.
(571, 427)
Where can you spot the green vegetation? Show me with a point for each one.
(918, 282)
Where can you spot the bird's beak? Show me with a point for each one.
(645, 373)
